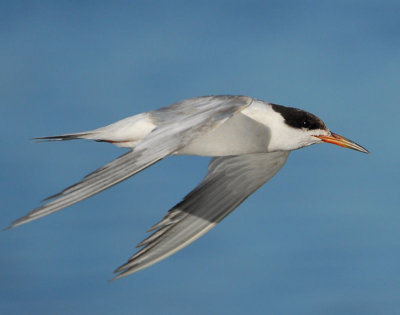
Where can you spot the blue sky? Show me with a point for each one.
(322, 237)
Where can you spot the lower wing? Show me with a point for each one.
(229, 181)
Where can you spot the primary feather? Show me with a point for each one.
(229, 181)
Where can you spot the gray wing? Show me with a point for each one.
(177, 125)
(229, 181)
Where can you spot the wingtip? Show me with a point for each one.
(123, 271)
(8, 227)
(120, 273)
(119, 269)
(115, 278)
(112, 279)
(13, 225)
(23, 220)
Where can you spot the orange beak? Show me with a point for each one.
(342, 141)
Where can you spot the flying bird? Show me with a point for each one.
(248, 139)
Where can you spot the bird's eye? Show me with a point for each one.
(305, 123)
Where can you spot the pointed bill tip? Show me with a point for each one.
(343, 142)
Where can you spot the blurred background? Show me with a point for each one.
(322, 237)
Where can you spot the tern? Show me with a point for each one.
(249, 140)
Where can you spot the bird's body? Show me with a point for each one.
(249, 139)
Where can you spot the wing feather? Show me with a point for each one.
(229, 181)
(177, 125)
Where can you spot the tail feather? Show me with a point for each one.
(70, 136)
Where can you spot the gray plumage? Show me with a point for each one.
(249, 139)
(229, 181)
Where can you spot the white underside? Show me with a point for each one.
(125, 133)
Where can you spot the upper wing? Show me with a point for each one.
(177, 125)
(229, 181)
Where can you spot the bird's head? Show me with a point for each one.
(298, 129)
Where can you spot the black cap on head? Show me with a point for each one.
(298, 118)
